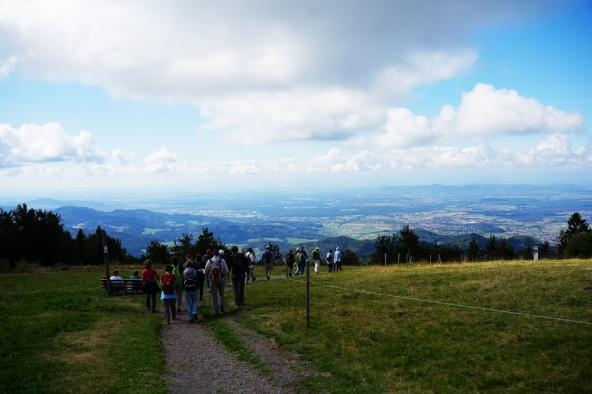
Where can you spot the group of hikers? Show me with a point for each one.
(296, 261)
(212, 270)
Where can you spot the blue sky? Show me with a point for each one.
(108, 97)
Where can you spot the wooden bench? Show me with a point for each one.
(123, 286)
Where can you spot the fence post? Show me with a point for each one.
(307, 295)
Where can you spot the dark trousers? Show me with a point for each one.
(200, 284)
(169, 309)
(150, 289)
(238, 284)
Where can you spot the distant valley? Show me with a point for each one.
(442, 214)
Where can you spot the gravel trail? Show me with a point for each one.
(197, 363)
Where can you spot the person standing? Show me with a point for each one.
(251, 272)
(201, 276)
(190, 288)
(329, 259)
(267, 260)
(168, 295)
(216, 271)
(178, 273)
(337, 260)
(301, 260)
(289, 263)
(150, 285)
(316, 259)
(238, 269)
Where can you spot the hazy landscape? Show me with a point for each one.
(437, 213)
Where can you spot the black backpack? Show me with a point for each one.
(190, 281)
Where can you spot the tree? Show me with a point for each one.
(492, 248)
(350, 257)
(575, 225)
(158, 253)
(545, 250)
(182, 245)
(409, 241)
(579, 245)
(206, 241)
(384, 245)
(474, 251)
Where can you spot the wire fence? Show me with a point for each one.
(449, 304)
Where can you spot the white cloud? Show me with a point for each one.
(7, 64)
(486, 110)
(261, 117)
(422, 68)
(47, 142)
(162, 160)
(259, 71)
(483, 112)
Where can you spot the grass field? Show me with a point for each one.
(491, 327)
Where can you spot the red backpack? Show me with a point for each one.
(167, 283)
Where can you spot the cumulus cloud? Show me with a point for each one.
(7, 65)
(258, 71)
(46, 143)
(486, 110)
(483, 112)
(422, 68)
(162, 160)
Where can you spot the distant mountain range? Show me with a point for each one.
(446, 215)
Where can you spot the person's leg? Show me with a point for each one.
(241, 292)
(215, 298)
(221, 287)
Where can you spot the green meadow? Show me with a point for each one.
(487, 327)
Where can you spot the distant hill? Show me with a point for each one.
(136, 228)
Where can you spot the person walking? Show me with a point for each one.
(168, 295)
(337, 260)
(178, 272)
(267, 260)
(150, 285)
(238, 269)
(289, 263)
(251, 272)
(216, 271)
(301, 260)
(329, 259)
(190, 288)
(201, 276)
(316, 259)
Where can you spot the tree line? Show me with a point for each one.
(39, 236)
(575, 240)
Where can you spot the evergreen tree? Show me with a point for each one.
(575, 225)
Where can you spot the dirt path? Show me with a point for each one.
(198, 364)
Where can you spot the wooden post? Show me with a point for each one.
(307, 295)
(106, 261)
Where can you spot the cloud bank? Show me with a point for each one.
(267, 72)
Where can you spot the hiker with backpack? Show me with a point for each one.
(267, 260)
(216, 271)
(238, 269)
(150, 285)
(190, 287)
(329, 260)
(178, 273)
(168, 295)
(251, 272)
(301, 260)
(316, 259)
(337, 260)
(201, 276)
(289, 263)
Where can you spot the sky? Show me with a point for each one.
(148, 97)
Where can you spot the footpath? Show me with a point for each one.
(197, 363)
